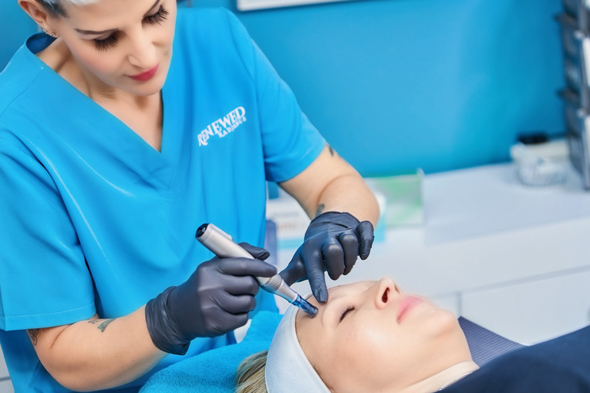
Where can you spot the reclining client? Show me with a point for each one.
(373, 337)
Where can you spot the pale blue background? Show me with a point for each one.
(400, 84)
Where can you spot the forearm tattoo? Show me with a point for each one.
(34, 335)
(320, 209)
(103, 324)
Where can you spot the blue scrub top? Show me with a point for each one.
(94, 220)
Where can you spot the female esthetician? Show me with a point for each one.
(122, 129)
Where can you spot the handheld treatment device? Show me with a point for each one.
(222, 245)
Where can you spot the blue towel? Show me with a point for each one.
(215, 371)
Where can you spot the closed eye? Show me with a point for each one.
(345, 313)
(106, 43)
(111, 41)
(158, 17)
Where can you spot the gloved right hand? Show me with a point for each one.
(215, 299)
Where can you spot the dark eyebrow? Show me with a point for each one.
(112, 30)
(95, 32)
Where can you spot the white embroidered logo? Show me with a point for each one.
(222, 127)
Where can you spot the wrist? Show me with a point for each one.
(163, 330)
(333, 217)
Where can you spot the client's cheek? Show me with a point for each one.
(335, 373)
(353, 368)
(310, 335)
(373, 345)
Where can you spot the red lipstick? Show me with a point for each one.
(145, 76)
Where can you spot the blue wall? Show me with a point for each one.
(15, 25)
(400, 84)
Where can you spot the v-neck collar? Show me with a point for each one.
(109, 131)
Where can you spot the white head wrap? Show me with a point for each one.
(287, 367)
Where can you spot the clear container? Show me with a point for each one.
(535, 170)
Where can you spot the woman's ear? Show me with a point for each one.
(36, 11)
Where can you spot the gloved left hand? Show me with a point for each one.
(332, 243)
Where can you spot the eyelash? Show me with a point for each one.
(349, 309)
(109, 42)
(158, 17)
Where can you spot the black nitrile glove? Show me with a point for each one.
(332, 243)
(216, 299)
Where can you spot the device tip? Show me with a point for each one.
(201, 230)
(306, 306)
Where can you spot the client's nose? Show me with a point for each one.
(387, 291)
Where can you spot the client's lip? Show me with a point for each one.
(147, 75)
(406, 305)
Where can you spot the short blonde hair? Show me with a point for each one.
(56, 6)
(250, 377)
(74, 2)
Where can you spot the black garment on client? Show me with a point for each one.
(561, 365)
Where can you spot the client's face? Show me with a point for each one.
(371, 336)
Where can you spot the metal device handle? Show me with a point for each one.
(222, 245)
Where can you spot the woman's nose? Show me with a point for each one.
(387, 291)
(143, 51)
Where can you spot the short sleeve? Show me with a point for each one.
(290, 141)
(44, 280)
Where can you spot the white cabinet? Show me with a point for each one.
(3, 369)
(5, 384)
(533, 311)
(512, 259)
(6, 387)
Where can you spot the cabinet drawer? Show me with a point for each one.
(534, 311)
